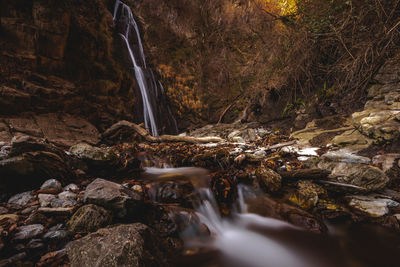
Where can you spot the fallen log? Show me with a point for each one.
(158, 139)
(312, 174)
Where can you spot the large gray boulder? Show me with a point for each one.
(113, 196)
(123, 245)
(352, 173)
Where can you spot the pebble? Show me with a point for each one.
(22, 199)
(71, 187)
(45, 199)
(67, 195)
(29, 231)
(260, 153)
(51, 184)
(62, 203)
(56, 235)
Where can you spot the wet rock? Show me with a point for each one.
(45, 199)
(22, 199)
(307, 194)
(51, 185)
(89, 218)
(171, 192)
(268, 207)
(373, 207)
(29, 231)
(113, 196)
(268, 179)
(123, 245)
(67, 195)
(94, 155)
(62, 203)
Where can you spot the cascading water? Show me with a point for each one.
(148, 86)
(235, 238)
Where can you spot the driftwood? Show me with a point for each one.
(159, 139)
(312, 174)
(289, 143)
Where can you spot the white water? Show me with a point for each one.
(138, 63)
(236, 237)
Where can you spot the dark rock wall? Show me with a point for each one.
(60, 56)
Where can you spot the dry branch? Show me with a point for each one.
(158, 139)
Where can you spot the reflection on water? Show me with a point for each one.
(246, 239)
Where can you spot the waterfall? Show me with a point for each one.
(144, 76)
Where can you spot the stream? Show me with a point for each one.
(247, 239)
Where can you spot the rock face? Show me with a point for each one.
(72, 44)
(113, 196)
(89, 218)
(123, 245)
(380, 118)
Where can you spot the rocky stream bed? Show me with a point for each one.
(96, 205)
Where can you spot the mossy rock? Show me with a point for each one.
(89, 218)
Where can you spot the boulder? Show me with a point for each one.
(351, 173)
(307, 194)
(122, 245)
(354, 177)
(89, 218)
(268, 179)
(113, 196)
(371, 206)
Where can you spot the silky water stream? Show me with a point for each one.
(246, 239)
